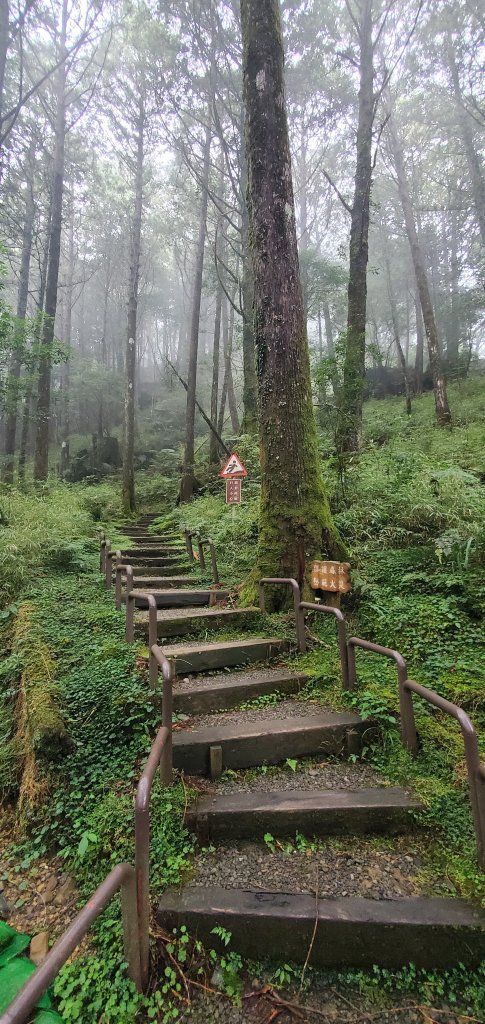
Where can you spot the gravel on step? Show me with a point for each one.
(284, 709)
(308, 774)
(333, 868)
(242, 678)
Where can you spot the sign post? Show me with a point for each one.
(232, 473)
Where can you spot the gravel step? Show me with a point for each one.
(157, 583)
(268, 740)
(184, 621)
(154, 562)
(175, 598)
(197, 657)
(314, 813)
(154, 551)
(350, 931)
(200, 694)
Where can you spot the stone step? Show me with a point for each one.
(311, 812)
(265, 741)
(175, 598)
(201, 694)
(197, 657)
(184, 621)
(350, 931)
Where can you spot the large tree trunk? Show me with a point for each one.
(295, 521)
(187, 485)
(349, 425)
(443, 414)
(41, 465)
(17, 357)
(128, 488)
(4, 36)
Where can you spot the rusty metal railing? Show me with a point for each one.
(270, 581)
(208, 542)
(326, 609)
(160, 757)
(122, 877)
(386, 652)
(475, 767)
(102, 546)
(188, 534)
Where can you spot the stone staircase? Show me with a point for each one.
(267, 776)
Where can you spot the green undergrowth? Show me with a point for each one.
(86, 815)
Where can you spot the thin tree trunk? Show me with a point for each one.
(453, 349)
(128, 488)
(41, 465)
(472, 157)
(228, 334)
(418, 365)
(187, 484)
(213, 445)
(397, 338)
(349, 425)
(295, 520)
(4, 36)
(250, 385)
(28, 403)
(18, 354)
(442, 408)
(66, 407)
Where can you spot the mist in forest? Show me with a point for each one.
(127, 279)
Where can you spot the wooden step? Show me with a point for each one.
(209, 693)
(198, 657)
(154, 551)
(351, 931)
(310, 812)
(184, 621)
(153, 561)
(156, 582)
(266, 741)
(175, 598)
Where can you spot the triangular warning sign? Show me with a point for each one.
(233, 467)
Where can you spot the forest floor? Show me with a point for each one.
(411, 510)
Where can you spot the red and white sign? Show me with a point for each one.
(233, 491)
(233, 468)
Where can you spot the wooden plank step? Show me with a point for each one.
(268, 740)
(174, 598)
(156, 582)
(183, 621)
(351, 931)
(154, 551)
(310, 812)
(197, 657)
(199, 695)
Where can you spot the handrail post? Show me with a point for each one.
(152, 640)
(166, 760)
(406, 714)
(107, 563)
(287, 581)
(327, 609)
(130, 618)
(215, 571)
(119, 583)
(200, 545)
(189, 545)
(102, 554)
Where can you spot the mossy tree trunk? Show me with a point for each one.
(295, 524)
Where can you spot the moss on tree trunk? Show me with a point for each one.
(296, 524)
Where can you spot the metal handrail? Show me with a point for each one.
(122, 877)
(131, 598)
(327, 609)
(107, 562)
(475, 767)
(188, 534)
(386, 652)
(160, 756)
(267, 581)
(201, 543)
(102, 547)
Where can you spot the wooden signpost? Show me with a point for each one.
(333, 577)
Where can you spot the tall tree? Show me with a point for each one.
(295, 522)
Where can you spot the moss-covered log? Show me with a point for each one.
(296, 524)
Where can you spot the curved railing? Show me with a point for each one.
(122, 877)
(326, 609)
